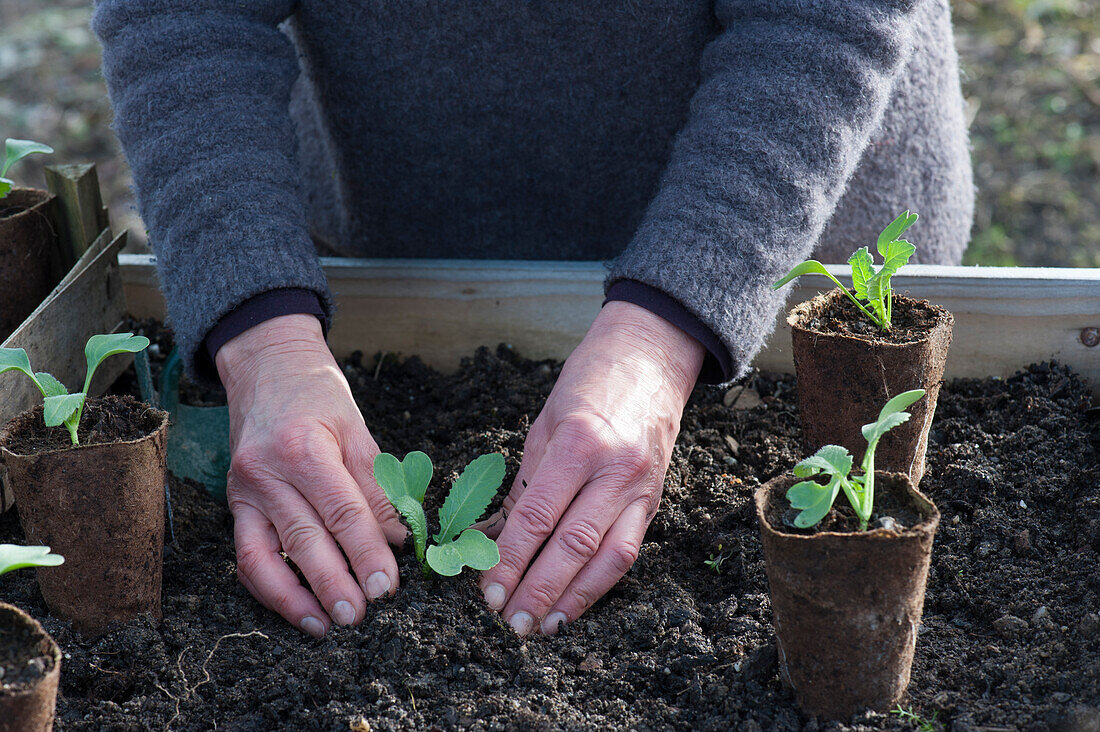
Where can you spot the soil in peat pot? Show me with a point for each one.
(1010, 636)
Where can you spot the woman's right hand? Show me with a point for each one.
(301, 480)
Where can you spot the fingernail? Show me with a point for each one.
(495, 597)
(551, 622)
(313, 626)
(378, 584)
(521, 622)
(343, 613)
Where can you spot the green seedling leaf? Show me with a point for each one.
(15, 359)
(404, 483)
(470, 496)
(409, 477)
(863, 269)
(418, 523)
(100, 347)
(13, 556)
(50, 386)
(894, 230)
(471, 549)
(810, 266)
(16, 150)
(869, 286)
(5, 187)
(830, 459)
(61, 409)
(813, 500)
(890, 416)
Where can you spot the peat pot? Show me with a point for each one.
(847, 369)
(27, 245)
(99, 504)
(31, 665)
(846, 604)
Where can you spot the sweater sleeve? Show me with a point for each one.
(201, 92)
(790, 93)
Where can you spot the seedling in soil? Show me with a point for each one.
(717, 560)
(13, 556)
(870, 286)
(14, 151)
(922, 724)
(456, 545)
(60, 406)
(835, 463)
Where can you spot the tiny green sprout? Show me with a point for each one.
(870, 286)
(14, 151)
(834, 462)
(61, 407)
(922, 724)
(456, 545)
(717, 560)
(13, 556)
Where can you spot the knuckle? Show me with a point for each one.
(380, 506)
(250, 466)
(296, 445)
(541, 595)
(580, 539)
(535, 516)
(634, 463)
(250, 559)
(342, 514)
(582, 435)
(622, 557)
(300, 538)
(510, 565)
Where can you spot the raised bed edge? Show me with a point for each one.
(1005, 318)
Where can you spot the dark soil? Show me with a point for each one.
(24, 654)
(1010, 638)
(105, 420)
(910, 320)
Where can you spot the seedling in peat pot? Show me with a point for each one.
(870, 286)
(14, 151)
(60, 406)
(456, 545)
(13, 556)
(814, 500)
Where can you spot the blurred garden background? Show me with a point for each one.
(1031, 78)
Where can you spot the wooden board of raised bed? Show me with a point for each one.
(87, 301)
(1005, 318)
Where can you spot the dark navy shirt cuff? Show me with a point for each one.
(255, 310)
(717, 365)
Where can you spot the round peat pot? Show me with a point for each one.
(99, 504)
(26, 253)
(31, 666)
(846, 605)
(844, 378)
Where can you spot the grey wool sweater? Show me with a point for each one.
(702, 147)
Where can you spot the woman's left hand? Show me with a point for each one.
(593, 469)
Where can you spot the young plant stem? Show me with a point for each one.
(853, 298)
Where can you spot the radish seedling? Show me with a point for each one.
(869, 285)
(835, 462)
(13, 556)
(60, 406)
(14, 151)
(456, 545)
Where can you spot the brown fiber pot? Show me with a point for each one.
(101, 507)
(844, 380)
(27, 246)
(28, 707)
(846, 606)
